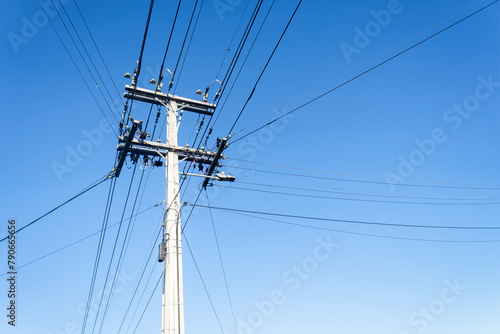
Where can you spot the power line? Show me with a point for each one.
(244, 62)
(361, 176)
(76, 242)
(265, 67)
(97, 259)
(143, 271)
(123, 250)
(478, 187)
(97, 48)
(114, 249)
(83, 59)
(351, 221)
(160, 77)
(77, 68)
(370, 194)
(137, 69)
(183, 43)
(232, 65)
(189, 44)
(149, 300)
(221, 262)
(203, 282)
(355, 199)
(232, 39)
(365, 234)
(93, 185)
(364, 65)
(363, 73)
(88, 55)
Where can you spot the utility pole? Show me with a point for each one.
(173, 297)
(170, 249)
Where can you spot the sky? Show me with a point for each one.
(413, 141)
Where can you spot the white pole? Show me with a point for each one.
(173, 297)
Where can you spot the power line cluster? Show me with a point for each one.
(202, 131)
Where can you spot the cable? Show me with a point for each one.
(93, 185)
(366, 234)
(362, 66)
(363, 73)
(83, 59)
(97, 259)
(141, 52)
(137, 69)
(183, 44)
(353, 221)
(147, 260)
(76, 242)
(221, 262)
(189, 45)
(114, 249)
(265, 67)
(372, 194)
(123, 251)
(160, 77)
(354, 199)
(88, 55)
(233, 63)
(97, 48)
(77, 68)
(244, 62)
(363, 176)
(232, 39)
(203, 282)
(364, 181)
(149, 300)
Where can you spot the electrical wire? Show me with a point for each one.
(243, 64)
(366, 234)
(84, 61)
(75, 242)
(362, 66)
(91, 186)
(264, 69)
(233, 63)
(189, 45)
(113, 251)
(97, 48)
(357, 175)
(203, 282)
(362, 73)
(88, 55)
(221, 262)
(123, 251)
(97, 259)
(356, 199)
(370, 194)
(77, 68)
(477, 187)
(149, 300)
(138, 67)
(351, 221)
(183, 44)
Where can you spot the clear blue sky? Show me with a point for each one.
(422, 128)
